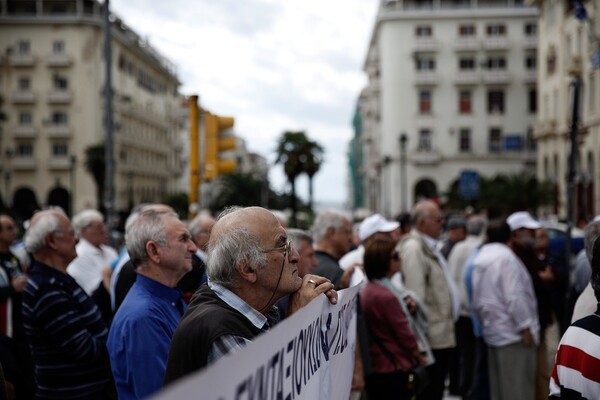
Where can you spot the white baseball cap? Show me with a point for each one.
(373, 224)
(522, 219)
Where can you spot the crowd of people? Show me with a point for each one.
(446, 299)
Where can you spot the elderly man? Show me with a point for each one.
(66, 333)
(426, 273)
(251, 265)
(161, 248)
(93, 255)
(332, 232)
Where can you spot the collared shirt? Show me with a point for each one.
(66, 334)
(503, 296)
(140, 336)
(87, 267)
(231, 343)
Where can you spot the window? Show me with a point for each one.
(58, 47)
(25, 118)
(464, 102)
(551, 61)
(496, 62)
(532, 100)
(530, 61)
(530, 143)
(23, 47)
(423, 31)
(60, 82)
(424, 140)
(495, 104)
(60, 150)
(496, 30)
(425, 102)
(24, 83)
(59, 118)
(466, 63)
(530, 29)
(467, 30)
(425, 63)
(464, 137)
(24, 150)
(495, 140)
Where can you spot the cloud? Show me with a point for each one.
(274, 65)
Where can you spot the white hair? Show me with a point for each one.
(328, 219)
(35, 237)
(84, 218)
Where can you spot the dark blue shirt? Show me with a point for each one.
(67, 336)
(140, 336)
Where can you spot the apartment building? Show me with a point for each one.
(451, 89)
(566, 48)
(52, 78)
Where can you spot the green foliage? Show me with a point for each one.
(179, 202)
(503, 194)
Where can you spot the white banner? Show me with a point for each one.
(309, 355)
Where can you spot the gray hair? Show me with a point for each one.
(476, 225)
(84, 218)
(195, 224)
(148, 225)
(297, 236)
(328, 219)
(225, 251)
(35, 237)
(591, 232)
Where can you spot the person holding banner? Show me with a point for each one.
(393, 347)
(251, 265)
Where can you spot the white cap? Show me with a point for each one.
(596, 218)
(373, 224)
(522, 219)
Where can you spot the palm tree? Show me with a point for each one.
(292, 153)
(313, 164)
(95, 165)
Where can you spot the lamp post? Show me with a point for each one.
(403, 139)
(72, 164)
(387, 189)
(7, 175)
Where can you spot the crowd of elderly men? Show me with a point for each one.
(80, 320)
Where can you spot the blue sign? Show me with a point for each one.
(469, 185)
(513, 142)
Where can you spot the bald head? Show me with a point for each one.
(257, 221)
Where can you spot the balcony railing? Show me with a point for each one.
(496, 76)
(23, 97)
(59, 97)
(495, 43)
(530, 76)
(530, 42)
(22, 60)
(24, 132)
(23, 163)
(426, 44)
(426, 78)
(59, 163)
(426, 157)
(58, 60)
(467, 43)
(467, 77)
(58, 131)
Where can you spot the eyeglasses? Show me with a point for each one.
(436, 218)
(287, 249)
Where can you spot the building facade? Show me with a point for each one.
(52, 78)
(566, 48)
(451, 88)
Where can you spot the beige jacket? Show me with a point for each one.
(423, 274)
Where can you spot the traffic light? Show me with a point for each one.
(215, 143)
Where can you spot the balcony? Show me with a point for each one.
(467, 44)
(59, 163)
(23, 163)
(58, 131)
(58, 60)
(426, 78)
(467, 77)
(496, 43)
(575, 65)
(23, 97)
(545, 127)
(426, 44)
(530, 42)
(59, 97)
(497, 76)
(22, 60)
(530, 76)
(425, 157)
(24, 132)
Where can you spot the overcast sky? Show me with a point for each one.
(274, 65)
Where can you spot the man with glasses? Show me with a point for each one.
(251, 265)
(64, 327)
(425, 272)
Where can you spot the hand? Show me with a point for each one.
(19, 283)
(546, 274)
(411, 304)
(106, 274)
(312, 286)
(347, 275)
(527, 337)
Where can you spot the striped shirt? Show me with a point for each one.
(67, 337)
(576, 372)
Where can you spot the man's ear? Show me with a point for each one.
(330, 231)
(51, 241)
(153, 251)
(246, 271)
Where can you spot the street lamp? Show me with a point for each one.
(403, 139)
(387, 183)
(7, 176)
(72, 164)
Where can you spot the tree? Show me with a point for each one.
(95, 165)
(293, 152)
(313, 164)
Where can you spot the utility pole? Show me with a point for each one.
(108, 98)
